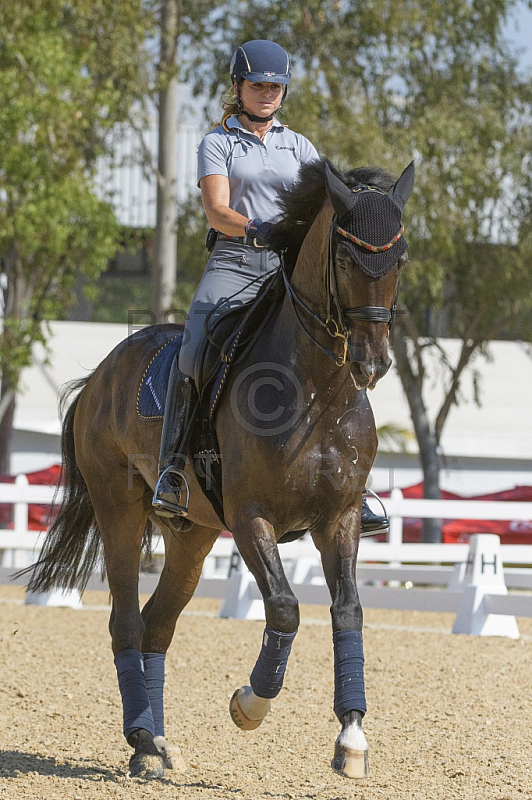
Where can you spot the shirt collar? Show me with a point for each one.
(233, 122)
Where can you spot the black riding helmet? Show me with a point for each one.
(260, 61)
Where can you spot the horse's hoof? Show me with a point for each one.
(170, 754)
(350, 763)
(142, 765)
(247, 710)
(146, 762)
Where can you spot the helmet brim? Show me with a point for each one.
(260, 77)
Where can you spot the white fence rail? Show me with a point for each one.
(21, 494)
(388, 572)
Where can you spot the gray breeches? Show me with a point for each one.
(233, 275)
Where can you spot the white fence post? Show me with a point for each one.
(68, 598)
(395, 537)
(484, 576)
(396, 521)
(20, 510)
(13, 557)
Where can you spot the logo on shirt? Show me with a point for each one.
(279, 147)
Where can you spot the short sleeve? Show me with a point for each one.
(212, 156)
(307, 151)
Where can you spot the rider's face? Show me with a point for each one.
(261, 99)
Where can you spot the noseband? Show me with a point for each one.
(339, 319)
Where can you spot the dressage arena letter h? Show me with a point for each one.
(484, 575)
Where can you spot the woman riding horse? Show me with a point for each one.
(323, 346)
(243, 164)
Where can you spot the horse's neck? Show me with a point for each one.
(289, 339)
(309, 271)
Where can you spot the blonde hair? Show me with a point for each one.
(230, 105)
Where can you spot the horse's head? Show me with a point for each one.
(366, 253)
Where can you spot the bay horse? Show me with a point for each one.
(297, 439)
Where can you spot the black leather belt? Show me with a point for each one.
(240, 240)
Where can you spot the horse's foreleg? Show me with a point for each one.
(258, 547)
(184, 557)
(338, 555)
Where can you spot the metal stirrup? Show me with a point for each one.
(376, 496)
(385, 528)
(181, 510)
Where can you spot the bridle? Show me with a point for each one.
(339, 319)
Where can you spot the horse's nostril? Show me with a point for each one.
(362, 374)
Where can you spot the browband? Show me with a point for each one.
(372, 247)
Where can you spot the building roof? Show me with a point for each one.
(500, 428)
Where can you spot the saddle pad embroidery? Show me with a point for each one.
(151, 395)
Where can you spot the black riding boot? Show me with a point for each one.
(372, 524)
(169, 500)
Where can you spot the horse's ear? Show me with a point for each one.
(341, 196)
(402, 189)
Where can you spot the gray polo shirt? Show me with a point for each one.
(256, 169)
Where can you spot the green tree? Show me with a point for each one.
(68, 72)
(465, 109)
(118, 300)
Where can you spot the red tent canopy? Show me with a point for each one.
(459, 530)
(38, 515)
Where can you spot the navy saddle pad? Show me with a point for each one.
(151, 395)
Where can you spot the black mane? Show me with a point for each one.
(301, 204)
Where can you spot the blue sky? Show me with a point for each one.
(523, 35)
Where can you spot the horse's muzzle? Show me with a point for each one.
(366, 374)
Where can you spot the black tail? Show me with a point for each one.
(72, 547)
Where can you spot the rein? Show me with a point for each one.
(345, 316)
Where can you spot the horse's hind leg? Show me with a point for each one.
(184, 557)
(256, 541)
(121, 514)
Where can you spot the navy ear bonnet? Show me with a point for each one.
(369, 221)
(375, 221)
